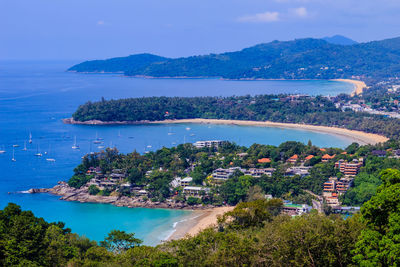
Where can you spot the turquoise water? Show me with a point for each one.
(35, 96)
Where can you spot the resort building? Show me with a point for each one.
(349, 168)
(264, 160)
(210, 143)
(186, 181)
(298, 170)
(195, 190)
(293, 159)
(296, 209)
(259, 172)
(327, 157)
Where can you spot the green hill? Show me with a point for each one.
(298, 59)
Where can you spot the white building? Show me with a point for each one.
(210, 143)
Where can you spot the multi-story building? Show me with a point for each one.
(349, 168)
(209, 143)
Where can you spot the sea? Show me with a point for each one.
(36, 95)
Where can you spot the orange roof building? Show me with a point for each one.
(309, 157)
(327, 157)
(293, 158)
(264, 160)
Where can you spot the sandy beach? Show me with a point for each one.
(357, 136)
(358, 85)
(198, 221)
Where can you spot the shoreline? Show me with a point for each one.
(199, 221)
(358, 136)
(358, 85)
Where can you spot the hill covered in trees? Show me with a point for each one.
(298, 59)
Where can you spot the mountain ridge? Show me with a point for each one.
(306, 58)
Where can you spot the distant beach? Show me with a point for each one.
(198, 221)
(358, 85)
(358, 136)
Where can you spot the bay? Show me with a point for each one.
(35, 96)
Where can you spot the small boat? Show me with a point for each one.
(170, 132)
(38, 154)
(192, 134)
(101, 147)
(75, 146)
(15, 145)
(2, 151)
(13, 157)
(30, 138)
(149, 146)
(51, 160)
(97, 140)
(119, 133)
(188, 129)
(25, 149)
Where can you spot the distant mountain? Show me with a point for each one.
(339, 40)
(119, 64)
(298, 59)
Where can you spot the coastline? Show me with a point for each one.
(199, 221)
(358, 85)
(358, 136)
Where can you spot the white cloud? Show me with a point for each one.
(300, 12)
(260, 17)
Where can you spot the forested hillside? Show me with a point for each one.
(299, 59)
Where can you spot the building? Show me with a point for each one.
(379, 153)
(195, 190)
(327, 157)
(224, 174)
(186, 181)
(298, 170)
(293, 159)
(264, 160)
(259, 172)
(309, 157)
(296, 209)
(330, 186)
(176, 182)
(349, 168)
(210, 143)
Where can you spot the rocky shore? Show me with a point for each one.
(82, 195)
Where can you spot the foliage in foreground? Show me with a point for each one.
(252, 234)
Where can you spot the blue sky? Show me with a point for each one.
(90, 29)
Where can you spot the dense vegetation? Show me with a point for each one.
(187, 160)
(253, 234)
(277, 108)
(298, 59)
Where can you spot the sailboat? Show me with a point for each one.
(30, 138)
(170, 132)
(97, 140)
(75, 146)
(13, 157)
(38, 154)
(50, 159)
(24, 149)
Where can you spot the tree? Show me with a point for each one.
(252, 214)
(93, 190)
(379, 243)
(119, 241)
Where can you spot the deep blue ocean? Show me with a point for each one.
(35, 96)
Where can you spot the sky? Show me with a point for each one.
(97, 29)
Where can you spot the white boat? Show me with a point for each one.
(75, 146)
(24, 149)
(97, 140)
(101, 147)
(187, 128)
(30, 138)
(2, 151)
(51, 160)
(192, 134)
(170, 132)
(15, 145)
(38, 154)
(13, 157)
(149, 146)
